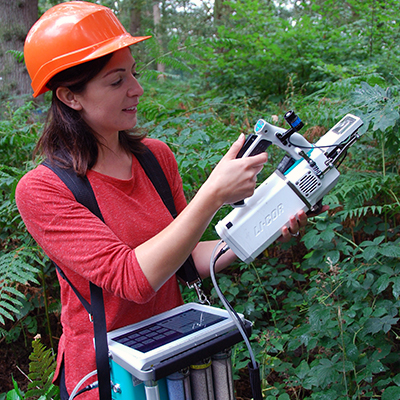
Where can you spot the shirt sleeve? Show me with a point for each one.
(79, 242)
(76, 240)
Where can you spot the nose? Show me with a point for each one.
(135, 89)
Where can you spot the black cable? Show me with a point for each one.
(340, 145)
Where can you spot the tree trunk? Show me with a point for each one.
(136, 19)
(222, 12)
(157, 19)
(16, 18)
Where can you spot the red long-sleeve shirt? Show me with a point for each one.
(88, 250)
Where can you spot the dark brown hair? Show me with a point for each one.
(66, 139)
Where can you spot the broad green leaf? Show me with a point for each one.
(374, 325)
(311, 238)
(396, 379)
(327, 235)
(391, 393)
(385, 119)
(381, 284)
(13, 395)
(302, 370)
(375, 367)
(334, 256)
(396, 286)
(324, 373)
(370, 252)
(391, 250)
(352, 352)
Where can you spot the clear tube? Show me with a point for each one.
(228, 307)
(81, 382)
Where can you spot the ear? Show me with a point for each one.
(68, 98)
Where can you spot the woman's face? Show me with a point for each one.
(109, 102)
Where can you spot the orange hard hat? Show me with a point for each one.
(69, 34)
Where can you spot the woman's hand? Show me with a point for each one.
(296, 223)
(234, 179)
(231, 180)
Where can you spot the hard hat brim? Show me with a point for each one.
(51, 68)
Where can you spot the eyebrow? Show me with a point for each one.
(113, 71)
(119, 70)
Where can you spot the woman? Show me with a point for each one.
(81, 53)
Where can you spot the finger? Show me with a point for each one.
(253, 161)
(286, 236)
(236, 146)
(302, 218)
(293, 226)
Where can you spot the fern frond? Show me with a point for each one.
(17, 54)
(10, 303)
(179, 55)
(376, 210)
(221, 42)
(358, 188)
(174, 63)
(41, 371)
(379, 106)
(14, 268)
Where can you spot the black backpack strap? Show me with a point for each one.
(83, 193)
(84, 302)
(155, 173)
(100, 342)
(79, 186)
(187, 272)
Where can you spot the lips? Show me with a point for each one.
(133, 108)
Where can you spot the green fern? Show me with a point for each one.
(41, 371)
(14, 270)
(360, 187)
(363, 211)
(17, 54)
(380, 108)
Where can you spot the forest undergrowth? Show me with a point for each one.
(324, 306)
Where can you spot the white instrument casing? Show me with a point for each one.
(248, 230)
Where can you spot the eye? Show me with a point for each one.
(117, 83)
(135, 74)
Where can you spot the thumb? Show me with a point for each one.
(235, 148)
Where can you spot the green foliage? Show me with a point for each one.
(14, 394)
(380, 111)
(328, 327)
(15, 268)
(18, 55)
(312, 45)
(196, 134)
(22, 266)
(325, 309)
(177, 58)
(41, 371)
